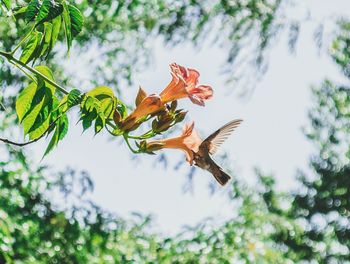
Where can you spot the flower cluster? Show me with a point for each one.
(163, 107)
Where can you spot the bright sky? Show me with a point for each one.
(270, 137)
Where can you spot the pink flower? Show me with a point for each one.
(188, 142)
(184, 84)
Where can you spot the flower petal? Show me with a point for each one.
(192, 78)
(140, 96)
(187, 129)
(201, 93)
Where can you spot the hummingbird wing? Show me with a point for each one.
(215, 140)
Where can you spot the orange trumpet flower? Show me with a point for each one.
(146, 106)
(184, 84)
(188, 141)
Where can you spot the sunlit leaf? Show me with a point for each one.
(47, 38)
(7, 4)
(41, 126)
(32, 10)
(30, 47)
(67, 26)
(101, 92)
(25, 99)
(56, 27)
(47, 73)
(38, 103)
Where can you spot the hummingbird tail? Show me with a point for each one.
(221, 176)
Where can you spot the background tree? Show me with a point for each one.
(324, 200)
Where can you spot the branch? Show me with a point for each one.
(7, 141)
(10, 58)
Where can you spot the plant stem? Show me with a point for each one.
(11, 58)
(22, 41)
(24, 72)
(129, 146)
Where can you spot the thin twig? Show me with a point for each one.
(9, 57)
(7, 141)
(129, 146)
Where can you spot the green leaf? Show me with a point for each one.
(77, 20)
(107, 107)
(47, 73)
(74, 98)
(32, 10)
(99, 124)
(61, 129)
(7, 4)
(87, 122)
(30, 47)
(53, 142)
(56, 27)
(37, 105)
(122, 110)
(24, 100)
(48, 11)
(90, 104)
(101, 92)
(73, 22)
(41, 125)
(18, 11)
(67, 26)
(47, 38)
(63, 126)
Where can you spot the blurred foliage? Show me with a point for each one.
(35, 230)
(267, 226)
(121, 31)
(323, 204)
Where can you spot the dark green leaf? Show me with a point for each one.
(32, 10)
(99, 124)
(56, 26)
(53, 142)
(48, 11)
(67, 26)
(77, 20)
(74, 98)
(63, 126)
(86, 123)
(47, 38)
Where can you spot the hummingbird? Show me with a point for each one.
(209, 146)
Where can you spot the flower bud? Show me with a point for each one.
(180, 116)
(164, 123)
(140, 96)
(129, 125)
(117, 117)
(153, 146)
(173, 106)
